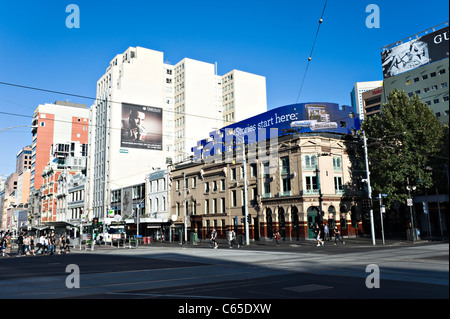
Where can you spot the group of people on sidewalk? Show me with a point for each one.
(29, 245)
(326, 235)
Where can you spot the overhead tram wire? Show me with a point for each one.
(89, 97)
(312, 49)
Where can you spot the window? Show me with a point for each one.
(286, 186)
(442, 71)
(436, 101)
(253, 170)
(443, 85)
(214, 208)
(266, 170)
(311, 183)
(408, 82)
(337, 164)
(310, 162)
(194, 182)
(233, 198)
(426, 90)
(433, 74)
(267, 189)
(416, 80)
(206, 206)
(434, 87)
(42, 124)
(424, 77)
(206, 187)
(222, 185)
(194, 207)
(233, 174)
(338, 187)
(284, 165)
(222, 205)
(445, 98)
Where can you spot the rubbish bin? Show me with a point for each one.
(194, 238)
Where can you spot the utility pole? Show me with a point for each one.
(369, 190)
(382, 210)
(244, 165)
(185, 208)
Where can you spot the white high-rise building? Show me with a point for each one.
(356, 95)
(149, 113)
(244, 96)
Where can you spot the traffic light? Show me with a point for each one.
(249, 219)
(95, 222)
(367, 203)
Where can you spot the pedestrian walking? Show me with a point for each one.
(8, 246)
(326, 232)
(337, 235)
(277, 238)
(213, 241)
(20, 245)
(317, 232)
(51, 244)
(26, 245)
(67, 244)
(233, 242)
(32, 245)
(3, 244)
(46, 244)
(62, 242)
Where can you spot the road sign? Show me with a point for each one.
(409, 202)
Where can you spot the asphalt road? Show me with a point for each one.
(258, 275)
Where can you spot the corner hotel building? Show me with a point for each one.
(311, 181)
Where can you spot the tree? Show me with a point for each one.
(402, 141)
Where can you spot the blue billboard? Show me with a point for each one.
(286, 120)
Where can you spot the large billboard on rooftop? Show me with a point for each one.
(423, 50)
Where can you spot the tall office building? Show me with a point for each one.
(244, 96)
(150, 113)
(60, 122)
(356, 95)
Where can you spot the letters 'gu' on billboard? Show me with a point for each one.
(415, 53)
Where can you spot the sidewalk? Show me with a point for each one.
(287, 245)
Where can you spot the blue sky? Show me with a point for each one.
(270, 38)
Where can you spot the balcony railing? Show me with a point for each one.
(311, 192)
(309, 167)
(285, 193)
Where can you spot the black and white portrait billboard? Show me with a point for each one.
(415, 53)
(141, 127)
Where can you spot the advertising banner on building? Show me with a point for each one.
(141, 127)
(291, 119)
(415, 53)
